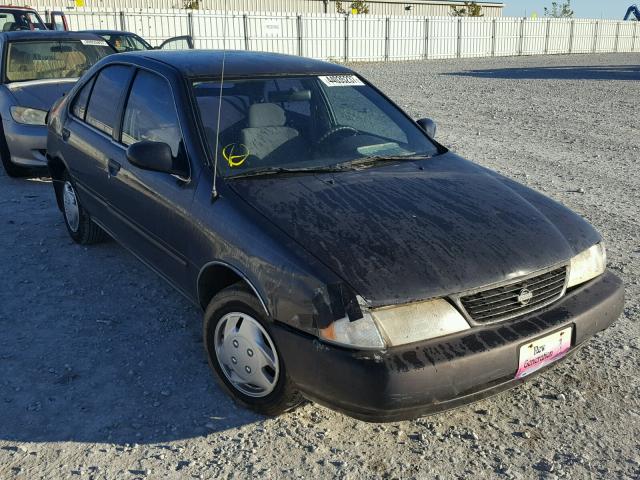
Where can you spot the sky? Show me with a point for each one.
(612, 9)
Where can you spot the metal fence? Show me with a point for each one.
(368, 37)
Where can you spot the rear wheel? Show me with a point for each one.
(243, 355)
(78, 222)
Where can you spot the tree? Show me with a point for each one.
(470, 9)
(559, 11)
(360, 6)
(191, 4)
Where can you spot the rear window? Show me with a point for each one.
(20, 20)
(102, 112)
(52, 59)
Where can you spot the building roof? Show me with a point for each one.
(238, 63)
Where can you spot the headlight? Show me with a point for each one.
(587, 265)
(396, 325)
(29, 116)
(419, 321)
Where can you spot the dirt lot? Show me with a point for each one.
(102, 371)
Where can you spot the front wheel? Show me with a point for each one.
(11, 168)
(243, 355)
(78, 222)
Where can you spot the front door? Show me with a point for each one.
(155, 206)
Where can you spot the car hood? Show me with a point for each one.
(40, 94)
(416, 230)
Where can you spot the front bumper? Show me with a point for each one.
(439, 374)
(27, 143)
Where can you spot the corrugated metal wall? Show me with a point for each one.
(377, 7)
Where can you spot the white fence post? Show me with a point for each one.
(546, 36)
(571, 34)
(300, 34)
(493, 37)
(459, 46)
(123, 22)
(521, 36)
(386, 38)
(615, 48)
(346, 38)
(635, 37)
(245, 27)
(426, 38)
(596, 29)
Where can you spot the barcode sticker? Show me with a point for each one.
(99, 43)
(341, 81)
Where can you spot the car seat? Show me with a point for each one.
(267, 132)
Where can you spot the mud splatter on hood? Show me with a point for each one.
(397, 233)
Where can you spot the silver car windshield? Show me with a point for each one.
(40, 60)
(298, 123)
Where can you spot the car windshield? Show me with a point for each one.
(126, 42)
(39, 60)
(304, 123)
(20, 20)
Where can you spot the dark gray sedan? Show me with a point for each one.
(38, 68)
(338, 251)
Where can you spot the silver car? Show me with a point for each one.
(37, 69)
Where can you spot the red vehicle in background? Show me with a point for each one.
(14, 18)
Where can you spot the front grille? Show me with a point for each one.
(505, 302)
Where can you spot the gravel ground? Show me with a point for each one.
(102, 371)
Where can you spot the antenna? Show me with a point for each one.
(214, 191)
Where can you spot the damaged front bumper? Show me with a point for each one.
(439, 374)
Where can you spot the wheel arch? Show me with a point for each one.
(56, 170)
(218, 275)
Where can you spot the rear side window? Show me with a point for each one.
(82, 98)
(102, 111)
(150, 113)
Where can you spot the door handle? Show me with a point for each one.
(66, 134)
(114, 167)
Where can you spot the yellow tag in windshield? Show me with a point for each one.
(235, 154)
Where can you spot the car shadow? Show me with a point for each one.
(567, 72)
(94, 346)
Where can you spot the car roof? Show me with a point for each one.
(15, 7)
(47, 35)
(238, 63)
(109, 32)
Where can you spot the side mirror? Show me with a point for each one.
(155, 156)
(428, 125)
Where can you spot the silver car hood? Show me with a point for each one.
(40, 94)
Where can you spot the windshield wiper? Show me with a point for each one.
(277, 170)
(373, 159)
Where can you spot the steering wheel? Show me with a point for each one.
(334, 130)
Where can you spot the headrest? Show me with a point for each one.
(266, 115)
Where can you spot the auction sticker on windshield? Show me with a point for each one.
(542, 352)
(341, 81)
(97, 43)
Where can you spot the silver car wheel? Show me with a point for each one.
(246, 354)
(71, 208)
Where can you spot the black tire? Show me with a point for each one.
(13, 170)
(85, 232)
(238, 298)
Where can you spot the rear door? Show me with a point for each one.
(89, 137)
(154, 206)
